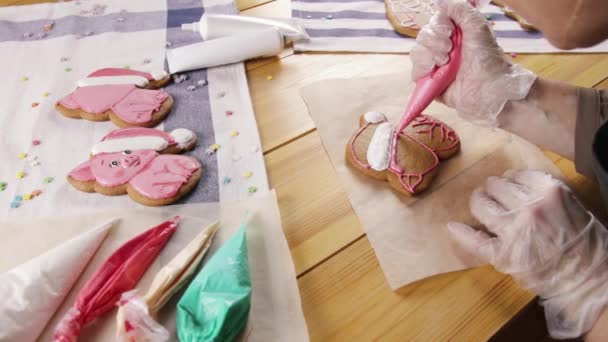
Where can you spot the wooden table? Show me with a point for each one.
(344, 294)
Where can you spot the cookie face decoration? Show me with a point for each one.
(408, 161)
(126, 97)
(138, 162)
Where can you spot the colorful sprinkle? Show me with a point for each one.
(247, 174)
(14, 205)
(221, 94)
(201, 83)
(252, 189)
(88, 33)
(48, 180)
(24, 78)
(28, 35)
(191, 88)
(513, 54)
(18, 198)
(68, 69)
(168, 44)
(3, 186)
(46, 94)
(269, 78)
(229, 113)
(212, 149)
(147, 61)
(309, 17)
(36, 142)
(488, 16)
(28, 197)
(227, 180)
(64, 59)
(30, 158)
(34, 163)
(20, 174)
(255, 149)
(22, 155)
(126, 67)
(48, 26)
(36, 193)
(329, 16)
(180, 78)
(234, 134)
(41, 35)
(120, 19)
(35, 104)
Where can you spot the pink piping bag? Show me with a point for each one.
(427, 89)
(119, 273)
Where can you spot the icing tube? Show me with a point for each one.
(227, 50)
(212, 26)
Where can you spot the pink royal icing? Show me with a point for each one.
(114, 169)
(164, 176)
(131, 104)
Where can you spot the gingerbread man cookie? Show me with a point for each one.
(138, 161)
(408, 16)
(409, 161)
(128, 98)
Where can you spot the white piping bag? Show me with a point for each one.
(232, 49)
(212, 26)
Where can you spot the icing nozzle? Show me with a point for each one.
(194, 27)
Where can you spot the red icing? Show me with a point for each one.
(119, 273)
(120, 72)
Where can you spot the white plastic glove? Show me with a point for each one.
(547, 241)
(486, 80)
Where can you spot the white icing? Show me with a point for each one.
(182, 136)
(379, 149)
(112, 80)
(159, 74)
(132, 143)
(374, 117)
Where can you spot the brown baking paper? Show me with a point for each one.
(276, 313)
(409, 234)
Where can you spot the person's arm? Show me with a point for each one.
(599, 332)
(546, 117)
(567, 24)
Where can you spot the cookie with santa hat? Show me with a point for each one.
(129, 98)
(140, 162)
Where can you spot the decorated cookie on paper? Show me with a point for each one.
(128, 98)
(408, 161)
(140, 162)
(408, 16)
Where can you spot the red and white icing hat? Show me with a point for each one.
(112, 76)
(140, 138)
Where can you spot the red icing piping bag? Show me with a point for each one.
(435, 83)
(119, 273)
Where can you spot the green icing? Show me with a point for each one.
(216, 305)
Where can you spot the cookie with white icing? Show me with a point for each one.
(129, 98)
(140, 162)
(408, 16)
(417, 151)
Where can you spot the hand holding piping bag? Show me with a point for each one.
(484, 80)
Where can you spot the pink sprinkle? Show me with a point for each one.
(34, 104)
(229, 112)
(513, 54)
(36, 142)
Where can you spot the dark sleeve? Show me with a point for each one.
(590, 116)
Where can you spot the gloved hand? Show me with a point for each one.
(486, 80)
(547, 241)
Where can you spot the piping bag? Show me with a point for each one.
(118, 273)
(135, 317)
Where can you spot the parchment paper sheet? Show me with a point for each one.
(409, 234)
(276, 313)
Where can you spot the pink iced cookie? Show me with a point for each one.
(127, 161)
(117, 95)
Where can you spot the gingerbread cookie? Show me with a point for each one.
(509, 13)
(409, 161)
(126, 97)
(408, 16)
(137, 161)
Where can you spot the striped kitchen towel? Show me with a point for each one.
(362, 26)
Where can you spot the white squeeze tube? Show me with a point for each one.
(212, 26)
(232, 49)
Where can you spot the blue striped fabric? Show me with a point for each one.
(326, 21)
